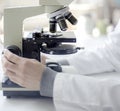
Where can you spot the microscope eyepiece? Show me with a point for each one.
(62, 23)
(71, 18)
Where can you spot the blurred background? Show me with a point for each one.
(96, 18)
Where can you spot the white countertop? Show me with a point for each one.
(25, 104)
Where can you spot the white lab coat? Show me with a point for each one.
(78, 92)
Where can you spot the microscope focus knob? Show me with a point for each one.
(14, 49)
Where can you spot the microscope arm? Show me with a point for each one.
(13, 23)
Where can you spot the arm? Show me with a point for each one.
(78, 92)
(83, 93)
(104, 58)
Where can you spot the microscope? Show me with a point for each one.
(51, 42)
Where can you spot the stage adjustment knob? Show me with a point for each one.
(14, 49)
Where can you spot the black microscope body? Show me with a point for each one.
(32, 48)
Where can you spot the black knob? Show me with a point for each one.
(55, 66)
(14, 49)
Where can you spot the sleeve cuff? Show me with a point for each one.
(47, 82)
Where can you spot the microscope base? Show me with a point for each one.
(26, 94)
(11, 89)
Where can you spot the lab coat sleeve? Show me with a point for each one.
(104, 58)
(91, 62)
(84, 93)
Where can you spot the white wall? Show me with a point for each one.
(13, 3)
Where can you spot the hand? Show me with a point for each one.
(25, 72)
(43, 59)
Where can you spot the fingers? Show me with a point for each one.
(11, 57)
(10, 74)
(43, 59)
(13, 77)
(7, 65)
